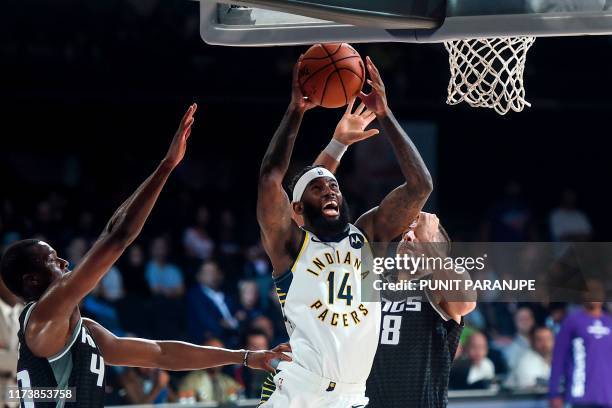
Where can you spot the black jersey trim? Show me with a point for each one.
(67, 347)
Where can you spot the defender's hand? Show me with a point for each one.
(176, 152)
(260, 360)
(351, 128)
(376, 100)
(297, 97)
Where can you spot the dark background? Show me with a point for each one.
(105, 85)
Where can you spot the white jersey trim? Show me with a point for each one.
(436, 306)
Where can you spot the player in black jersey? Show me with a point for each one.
(420, 332)
(59, 348)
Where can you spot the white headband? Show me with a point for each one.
(306, 178)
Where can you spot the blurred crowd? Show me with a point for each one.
(198, 272)
(203, 277)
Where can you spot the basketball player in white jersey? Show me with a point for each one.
(334, 334)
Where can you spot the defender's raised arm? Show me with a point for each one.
(49, 323)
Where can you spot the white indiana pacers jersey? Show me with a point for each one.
(333, 333)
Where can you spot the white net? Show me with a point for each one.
(488, 72)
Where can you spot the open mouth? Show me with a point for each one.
(330, 208)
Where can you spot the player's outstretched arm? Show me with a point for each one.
(48, 326)
(176, 355)
(400, 207)
(351, 129)
(273, 206)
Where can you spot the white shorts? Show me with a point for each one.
(297, 387)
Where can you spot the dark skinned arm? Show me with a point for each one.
(280, 236)
(49, 325)
(176, 355)
(402, 206)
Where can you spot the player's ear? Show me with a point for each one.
(31, 280)
(298, 208)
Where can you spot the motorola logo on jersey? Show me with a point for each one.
(356, 240)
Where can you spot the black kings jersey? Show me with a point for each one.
(79, 364)
(413, 361)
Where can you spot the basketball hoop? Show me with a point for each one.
(488, 72)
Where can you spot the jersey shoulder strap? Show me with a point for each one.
(25, 315)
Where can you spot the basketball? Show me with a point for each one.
(331, 74)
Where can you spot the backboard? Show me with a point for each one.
(302, 22)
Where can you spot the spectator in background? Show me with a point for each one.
(98, 304)
(509, 220)
(146, 386)
(581, 373)
(45, 222)
(265, 325)
(196, 238)
(252, 380)
(473, 370)
(248, 309)
(229, 242)
(133, 272)
(533, 368)
(209, 310)
(85, 227)
(111, 285)
(568, 223)
(556, 314)
(210, 384)
(257, 266)
(274, 314)
(164, 278)
(524, 323)
(76, 250)
(10, 309)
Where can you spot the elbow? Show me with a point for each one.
(425, 186)
(270, 178)
(420, 188)
(267, 168)
(458, 309)
(121, 237)
(465, 308)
